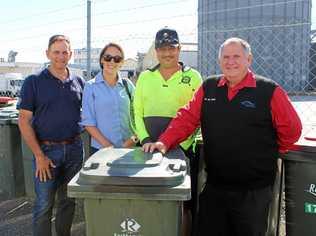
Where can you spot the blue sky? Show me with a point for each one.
(27, 25)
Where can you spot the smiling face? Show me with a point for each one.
(168, 56)
(111, 67)
(234, 62)
(59, 54)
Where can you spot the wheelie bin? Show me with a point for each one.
(129, 192)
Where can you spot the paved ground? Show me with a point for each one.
(16, 218)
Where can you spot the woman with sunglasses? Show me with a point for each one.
(106, 103)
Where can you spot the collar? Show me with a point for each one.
(99, 78)
(51, 76)
(249, 81)
(184, 68)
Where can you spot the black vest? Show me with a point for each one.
(240, 142)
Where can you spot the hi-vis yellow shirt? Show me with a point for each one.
(156, 100)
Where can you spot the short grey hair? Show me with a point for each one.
(242, 42)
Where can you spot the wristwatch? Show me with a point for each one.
(134, 138)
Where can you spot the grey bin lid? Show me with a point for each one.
(133, 167)
(7, 115)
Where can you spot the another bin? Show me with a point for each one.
(300, 189)
(27, 157)
(11, 164)
(129, 192)
(275, 205)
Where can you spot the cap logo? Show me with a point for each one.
(165, 35)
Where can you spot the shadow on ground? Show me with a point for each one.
(16, 218)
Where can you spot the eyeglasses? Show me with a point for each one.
(108, 58)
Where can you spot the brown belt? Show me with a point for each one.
(67, 141)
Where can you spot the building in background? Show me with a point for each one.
(189, 54)
(25, 68)
(80, 58)
(80, 62)
(278, 31)
(128, 70)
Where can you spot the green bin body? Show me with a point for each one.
(28, 169)
(300, 189)
(11, 164)
(128, 192)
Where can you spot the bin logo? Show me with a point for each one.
(312, 189)
(309, 208)
(130, 225)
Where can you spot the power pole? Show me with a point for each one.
(88, 39)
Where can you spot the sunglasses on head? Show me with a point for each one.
(108, 58)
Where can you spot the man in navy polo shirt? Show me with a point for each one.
(49, 112)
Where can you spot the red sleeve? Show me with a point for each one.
(285, 120)
(185, 123)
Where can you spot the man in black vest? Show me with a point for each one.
(246, 121)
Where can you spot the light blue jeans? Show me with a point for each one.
(68, 160)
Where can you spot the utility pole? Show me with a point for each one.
(88, 39)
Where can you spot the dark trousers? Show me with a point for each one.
(230, 213)
(192, 204)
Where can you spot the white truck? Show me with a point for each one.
(10, 84)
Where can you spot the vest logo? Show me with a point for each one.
(312, 189)
(248, 104)
(130, 225)
(210, 99)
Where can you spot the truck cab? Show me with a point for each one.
(10, 84)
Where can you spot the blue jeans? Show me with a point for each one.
(68, 161)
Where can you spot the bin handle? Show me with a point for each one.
(92, 166)
(177, 167)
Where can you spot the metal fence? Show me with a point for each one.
(281, 39)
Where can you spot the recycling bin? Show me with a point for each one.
(129, 192)
(27, 157)
(11, 164)
(300, 187)
(275, 205)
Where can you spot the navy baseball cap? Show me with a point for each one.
(166, 37)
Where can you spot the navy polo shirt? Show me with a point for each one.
(55, 105)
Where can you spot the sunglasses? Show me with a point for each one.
(108, 58)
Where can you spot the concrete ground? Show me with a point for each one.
(16, 218)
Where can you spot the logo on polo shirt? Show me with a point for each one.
(210, 99)
(185, 80)
(248, 104)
